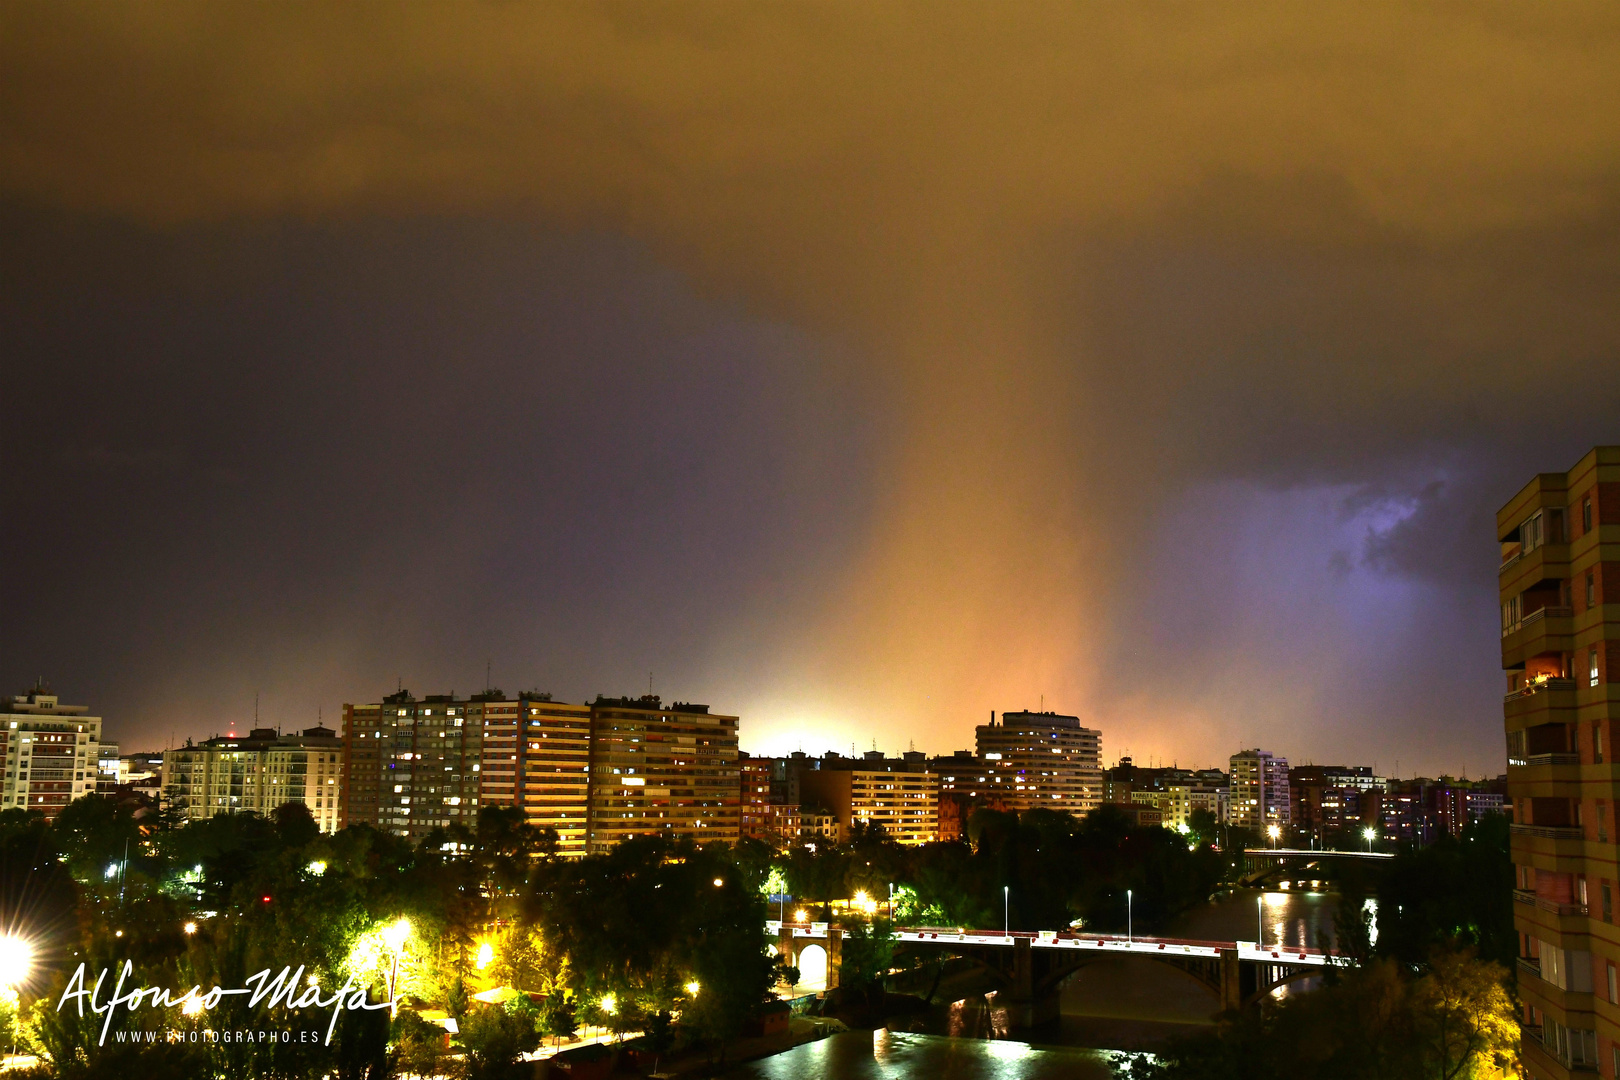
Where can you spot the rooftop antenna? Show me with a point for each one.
(649, 684)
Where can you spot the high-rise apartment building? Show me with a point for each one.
(1043, 759)
(757, 817)
(1259, 795)
(1559, 584)
(49, 754)
(658, 771)
(413, 766)
(257, 773)
(900, 796)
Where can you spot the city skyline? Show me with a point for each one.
(875, 370)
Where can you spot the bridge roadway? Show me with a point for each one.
(1032, 965)
(1113, 943)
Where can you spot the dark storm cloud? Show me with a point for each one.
(1167, 361)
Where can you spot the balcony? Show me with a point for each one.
(1541, 903)
(1547, 832)
(1549, 687)
(1545, 630)
(1520, 571)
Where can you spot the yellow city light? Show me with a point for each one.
(193, 1006)
(609, 1004)
(486, 954)
(801, 915)
(692, 988)
(190, 928)
(16, 960)
(860, 897)
(396, 933)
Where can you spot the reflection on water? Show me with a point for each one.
(886, 1055)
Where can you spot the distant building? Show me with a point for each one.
(593, 774)
(50, 754)
(662, 771)
(901, 796)
(1177, 803)
(1332, 798)
(758, 822)
(1259, 792)
(1042, 759)
(257, 773)
(413, 766)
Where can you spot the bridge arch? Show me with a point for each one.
(1206, 973)
(1288, 976)
(811, 961)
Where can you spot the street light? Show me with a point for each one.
(1370, 834)
(1260, 921)
(16, 961)
(394, 935)
(693, 987)
(1006, 909)
(1129, 936)
(1273, 831)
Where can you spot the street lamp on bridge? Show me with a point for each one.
(1129, 937)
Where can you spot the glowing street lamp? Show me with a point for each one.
(1129, 937)
(1273, 831)
(486, 954)
(190, 928)
(394, 935)
(609, 1004)
(1369, 834)
(16, 961)
(693, 987)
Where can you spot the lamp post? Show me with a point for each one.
(891, 901)
(395, 936)
(1260, 921)
(1368, 833)
(1006, 910)
(1129, 936)
(1273, 831)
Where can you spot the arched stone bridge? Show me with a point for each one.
(1032, 966)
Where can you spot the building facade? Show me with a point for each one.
(257, 773)
(412, 766)
(1559, 588)
(50, 754)
(1042, 759)
(1259, 791)
(662, 771)
(900, 796)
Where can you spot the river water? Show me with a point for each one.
(1114, 1003)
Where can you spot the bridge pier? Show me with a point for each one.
(1231, 981)
(1026, 1004)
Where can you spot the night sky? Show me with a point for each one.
(856, 369)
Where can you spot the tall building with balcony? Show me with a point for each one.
(256, 774)
(413, 766)
(49, 752)
(1042, 759)
(661, 771)
(1259, 796)
(1559, 586)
